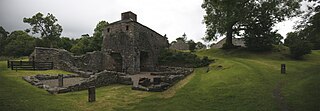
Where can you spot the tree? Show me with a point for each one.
(182, 38)
(230, 17)
(258, 35)
(98, 35)
(298, 45)
(200, 46)
(81, 47)
(47, 26)
(312, 31)
(192, 45)
(66, 43)
(3, 37)
(19, 44)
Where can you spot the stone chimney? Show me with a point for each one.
(128, 16)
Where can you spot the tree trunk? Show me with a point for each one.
(229, 44)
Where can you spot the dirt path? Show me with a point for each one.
(279, 97)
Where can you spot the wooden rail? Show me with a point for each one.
(29, 65)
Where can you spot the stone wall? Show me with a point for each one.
(91, 62)
(100, 79)
(138, 46)
(236, 41)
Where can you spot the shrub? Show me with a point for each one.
(298, 45)
(182, 59)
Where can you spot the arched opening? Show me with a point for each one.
(144, 61)
(117, 59)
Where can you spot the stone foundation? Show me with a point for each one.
(149, 81)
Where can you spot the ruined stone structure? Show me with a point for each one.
(236, 41)
(129, 51)
(91, 62)
(128, 46)
(132, 45)
(180, 45)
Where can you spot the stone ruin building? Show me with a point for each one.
(236, 41)
(128, 55)
(134, 46)
(179, 45)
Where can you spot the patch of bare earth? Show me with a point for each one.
(280, 98)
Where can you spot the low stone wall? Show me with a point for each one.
(90, 62)
(162, 80)
(100, 79)
(155, 81)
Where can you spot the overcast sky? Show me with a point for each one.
(77, 17)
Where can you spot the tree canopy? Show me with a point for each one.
(230, 17)
(98, 35)
(3, 37)
(47, 26)
(19, 44)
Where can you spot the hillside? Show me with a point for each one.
(237, 81)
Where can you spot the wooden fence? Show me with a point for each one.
(29, 65)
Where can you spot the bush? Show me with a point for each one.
(298, 45)
(182, 59)
(300, 48)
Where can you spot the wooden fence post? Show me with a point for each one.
(92, 94)
(33, 65)
(283, 68)
(11, 65)
(60, 80)
(51, 65)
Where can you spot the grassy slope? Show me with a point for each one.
(247, 82)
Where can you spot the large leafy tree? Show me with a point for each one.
(19, 44)
(66, 43)
(3, 37)
(98, 35)
(298, 44)
(310, 25)
(81, 47)
(230, 17)
(258, 33)
(47, 26)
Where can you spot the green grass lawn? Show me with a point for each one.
(246, 82)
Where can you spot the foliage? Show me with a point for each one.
(66, 43)
(258, 35)
(3, 37)
(81, 47)
(200, 46)
(89, 44)
(19, 44)
(230, 17)
(298, 45)
(182, 38)
(98, 36)
(173, 42)
(311, 31)
(46, 26)
(192, 45)
(182, 59)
